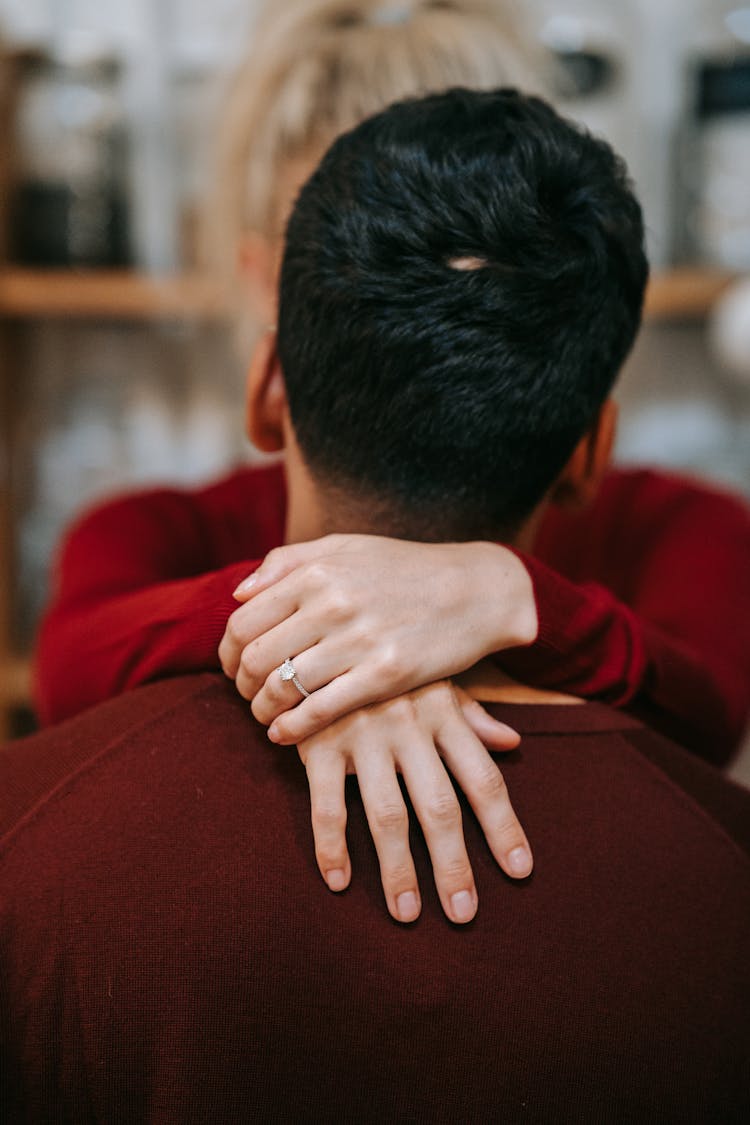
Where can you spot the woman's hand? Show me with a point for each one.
(415, 735)
(367, 618)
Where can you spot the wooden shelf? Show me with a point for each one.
(679, 294)
(15, 682)
(26, 294)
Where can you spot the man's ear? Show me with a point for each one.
(258, 265)
(579, 481)
(266, 406)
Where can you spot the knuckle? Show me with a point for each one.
(400, 877)
(316, 714)
(440, 693)
(249, 670)
(329, 819)
(338, 606)
(490, 782)
(511, 832)
(457, 873)
(262, 709)
(273, 689)
(390, 818)
(361, 636)
(229, 648)
(316, 575)
(391, 668)
(443, 810)
(355, 725)
(233, 630)
(400, 710)
(450, 700)
(257, 708)
(329, 858)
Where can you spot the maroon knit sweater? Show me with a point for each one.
(643, 598)
(169, 953)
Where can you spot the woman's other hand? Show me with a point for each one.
(417, 735)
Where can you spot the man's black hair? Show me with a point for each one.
(463, 278)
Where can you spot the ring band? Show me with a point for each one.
(287, 673)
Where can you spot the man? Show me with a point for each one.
(167, 951)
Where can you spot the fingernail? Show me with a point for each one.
(463, 906)
(246, 586)
(519, 862)
(273, 733)
(336, 879)
(407, 906)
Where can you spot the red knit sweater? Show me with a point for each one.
(643, 598)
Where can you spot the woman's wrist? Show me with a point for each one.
(504, 596)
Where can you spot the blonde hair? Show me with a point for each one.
(319, 67)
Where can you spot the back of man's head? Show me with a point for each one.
(463, 279)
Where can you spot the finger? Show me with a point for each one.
(251, 621)
(494, 734)
(343, 694)
(316, 668)
(326, 773)
(439, 813)
(389, 825)
(277, 564)
(485, 788)
(261, 659)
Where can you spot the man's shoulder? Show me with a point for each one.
(716, 800)
(35, 769)
(611, 754)
(192, 739)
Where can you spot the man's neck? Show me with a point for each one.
(487, 684)
(313, 512)
(304, 518)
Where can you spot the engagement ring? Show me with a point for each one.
(286, 671)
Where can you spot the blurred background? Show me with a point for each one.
(119, 365)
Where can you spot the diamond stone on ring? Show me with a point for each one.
(286, 671)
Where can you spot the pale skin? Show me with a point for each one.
(367, 618)
(376, 627)
(420, 735)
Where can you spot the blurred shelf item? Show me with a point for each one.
(110, 295)
(685, 293)
(15, 690)
(682, 293)
(15, 682)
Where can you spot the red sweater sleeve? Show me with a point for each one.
(644, 601)
(643, 598)
(144, 587)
